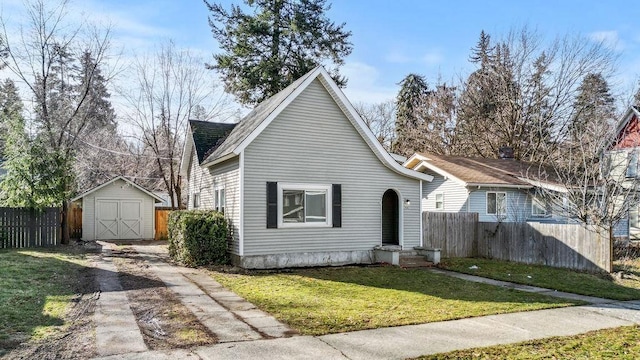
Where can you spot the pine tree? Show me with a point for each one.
(594, 108)
(410, 99)
(97, 108)
(282, 40)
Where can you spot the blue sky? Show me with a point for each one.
(391, 38)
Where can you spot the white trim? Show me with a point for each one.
(241, 189)
(218, 160)
(426, 164)
(624, 120)
(370, 139)
(156, 197)
(216, 198)
(187, 152)
(506, 186)
(305, 187)
(420, 214)
(546, 185)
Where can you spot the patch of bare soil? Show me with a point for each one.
(75, 339)
(165, 322)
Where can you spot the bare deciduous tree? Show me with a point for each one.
(170, 87)
(380, 118)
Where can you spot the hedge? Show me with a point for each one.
(198, 237)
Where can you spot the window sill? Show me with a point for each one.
(303, 225)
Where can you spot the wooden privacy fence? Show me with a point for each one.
(573, 246)
(74, 219)
(162, 219)
(23, 228)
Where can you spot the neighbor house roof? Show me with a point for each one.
(257, 120)
(486, 172)
(628, 130)
(154, 196)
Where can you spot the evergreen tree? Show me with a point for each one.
(97, 108)
(594, 108)
(411, 98)
(282, 40)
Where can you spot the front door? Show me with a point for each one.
(390, 218)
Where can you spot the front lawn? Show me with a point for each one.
(332, 300)
(598, 285)
(35, 288)
(618, 343)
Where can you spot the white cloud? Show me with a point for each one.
(608, 38)
(363, 84)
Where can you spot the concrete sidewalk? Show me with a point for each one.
(246, 331)
(411, 341)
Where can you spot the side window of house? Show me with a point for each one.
(304, 204)
(496, 203)
(439, 201)
(538, 207)
(196, 200)
(632, 166)
(219, 200)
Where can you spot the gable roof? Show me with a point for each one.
(257, 120)
(154, 196)
(486, 172)
(628, 130)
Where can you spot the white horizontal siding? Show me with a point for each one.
(455, 194)
(118, 190)
(205, 181)
(313, 142)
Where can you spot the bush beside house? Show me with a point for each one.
(198, 237)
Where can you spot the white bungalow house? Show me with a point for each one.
(497, 189)
(303, 181)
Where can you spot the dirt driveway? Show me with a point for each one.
(133, 299)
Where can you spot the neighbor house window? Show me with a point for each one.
(304, 205)
(196, 200)
(440, 201)
(218, 200)
(632, 167)
(538, 207)
(497, 203)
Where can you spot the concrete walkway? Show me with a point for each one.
(247, 333)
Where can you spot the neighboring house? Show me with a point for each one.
(118, 209)
(624, 157)
(497, 189)
(303, 181)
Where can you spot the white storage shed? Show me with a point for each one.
(118, 210)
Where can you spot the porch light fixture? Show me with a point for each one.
(407, 202)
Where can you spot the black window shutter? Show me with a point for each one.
(272, 205)
(337, 205)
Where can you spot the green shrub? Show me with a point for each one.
(198, 237)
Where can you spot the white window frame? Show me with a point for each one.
(632, 166)
(441, 208)
(304, 187)
(497, 213)
(537, 203)
(217, 206)
(196, 200)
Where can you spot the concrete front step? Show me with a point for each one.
(413, 261)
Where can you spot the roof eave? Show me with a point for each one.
(509, 186)
(218, 160)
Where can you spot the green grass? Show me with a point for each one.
(598, 285)
(618, 343)
(35, 289)
(333, 300)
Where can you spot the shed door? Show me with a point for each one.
(118, 219)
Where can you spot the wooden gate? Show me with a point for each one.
(162, 219)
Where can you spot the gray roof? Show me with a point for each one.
(208, 135)
(250, 122)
